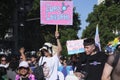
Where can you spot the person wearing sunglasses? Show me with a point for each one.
(3, 61)
(50, 59)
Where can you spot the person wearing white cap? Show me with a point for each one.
(50, 61)
(24, 72)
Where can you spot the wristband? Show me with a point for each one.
(58, 37)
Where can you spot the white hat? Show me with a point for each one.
(23, 64)
(47, 46)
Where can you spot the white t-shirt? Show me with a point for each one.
(50, 65)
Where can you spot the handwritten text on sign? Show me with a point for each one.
(56, 12)
(75, 46)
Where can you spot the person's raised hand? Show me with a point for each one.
(22, 50)
(57, 34)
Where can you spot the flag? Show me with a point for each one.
(97, 39)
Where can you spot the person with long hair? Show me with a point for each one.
(50, 62)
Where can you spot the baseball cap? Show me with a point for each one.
(23, 64)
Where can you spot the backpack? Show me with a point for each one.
(38, 72)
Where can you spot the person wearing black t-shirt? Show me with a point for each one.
(91, 63)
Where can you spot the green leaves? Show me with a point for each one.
(108, 18)
(36, 34)
(6, 10)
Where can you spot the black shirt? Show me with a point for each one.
(25, 78)
(92, 64)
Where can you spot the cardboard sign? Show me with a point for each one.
(75, 46)
(56, 12)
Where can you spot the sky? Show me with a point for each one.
(83, 7)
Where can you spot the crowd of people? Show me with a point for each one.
(48, 64)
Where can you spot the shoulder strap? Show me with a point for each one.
(115, 60)
(41, 60)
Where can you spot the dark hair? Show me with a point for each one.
(13, 65)
(117, 47)
(3, 71)
(89, 41)
(68, 62)
(21, 46)
(42, 52)
(62, 58)
(35, 56)
(3, 56)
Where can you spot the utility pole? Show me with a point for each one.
(22, 7)
(15, 29)
(18, 25)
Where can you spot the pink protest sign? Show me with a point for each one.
(56, 12)
(75, 46)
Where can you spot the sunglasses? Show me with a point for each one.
(44, 50)
(24, 68)
(3, 60)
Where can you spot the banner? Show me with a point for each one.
(56, 12)
(75, 46)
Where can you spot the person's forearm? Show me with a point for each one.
(59, 47)
(23, 57)
(106, 72)
(106, 78)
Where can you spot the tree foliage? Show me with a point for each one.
(107, 16)
(34, 33)
(6, 11)
(68, 32)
